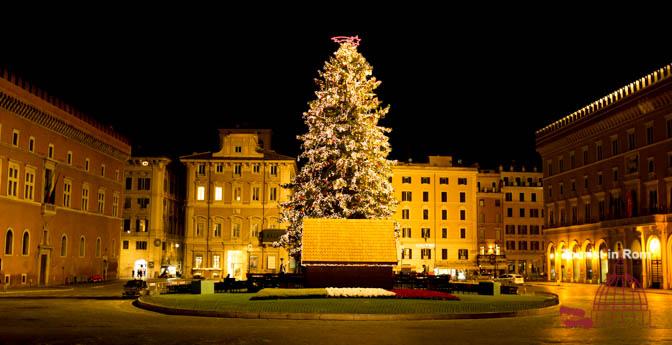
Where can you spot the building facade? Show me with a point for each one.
(232, 215)
(607, 185)
(60, 190)
(152, 238)
(437, 217)
(510, 222)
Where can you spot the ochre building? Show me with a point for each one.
(608, 183)
(232, 207)
(510, 222)
(437, 217)
(60, 190)
(152, 237)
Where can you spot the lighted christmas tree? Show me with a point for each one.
(346, 173)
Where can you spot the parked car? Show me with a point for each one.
(512, 278)
(485, 277)
(96, 278)
(135, 288)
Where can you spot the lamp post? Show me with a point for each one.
(249, 254)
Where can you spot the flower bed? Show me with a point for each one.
(424, 294)
(358, 292)
(272, 293)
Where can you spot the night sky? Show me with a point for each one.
(476, 89)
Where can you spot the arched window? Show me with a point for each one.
(64, 245)
(9, 242)
(82, 245)
(25, 245)
(98, 247)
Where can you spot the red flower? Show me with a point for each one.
(424, 294)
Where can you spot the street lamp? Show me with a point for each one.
(249, 253)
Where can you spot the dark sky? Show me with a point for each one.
(476, 89)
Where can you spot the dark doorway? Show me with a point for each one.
(656, 273)
(43, 270)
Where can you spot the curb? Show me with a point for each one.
(554, 309)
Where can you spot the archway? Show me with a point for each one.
(604, 262)
(636, 260)
(550, 254)
(655, 268)
(576, 263)
(139, 269)
(562, 250)
(588, 257)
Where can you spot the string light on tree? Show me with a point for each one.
(346, 171)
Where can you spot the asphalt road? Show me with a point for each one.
(80, 316)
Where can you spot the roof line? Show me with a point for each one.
(626, 91)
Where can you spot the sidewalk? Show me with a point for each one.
(561, 284)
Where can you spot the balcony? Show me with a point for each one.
(615, 215)
(48, 209)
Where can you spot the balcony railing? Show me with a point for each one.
(644, 211)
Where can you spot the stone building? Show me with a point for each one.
(608, 183)
(232, 215)
(437, 216)
(60, 190)
(152, 238)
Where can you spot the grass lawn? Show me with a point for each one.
(240, 302)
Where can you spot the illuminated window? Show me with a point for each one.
(85, 198)
(198, 261)
(13, 180)
(237, 194)
(215, 261)
(200, 193)
(29, 185)
(235, 233)
(101, 201)
(67, 188)
(115, 205)
(218, 193)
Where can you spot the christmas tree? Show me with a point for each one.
(346, 173)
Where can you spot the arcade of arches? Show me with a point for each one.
(587, 256)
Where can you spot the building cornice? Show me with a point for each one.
(53, 123)
(625, 92)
